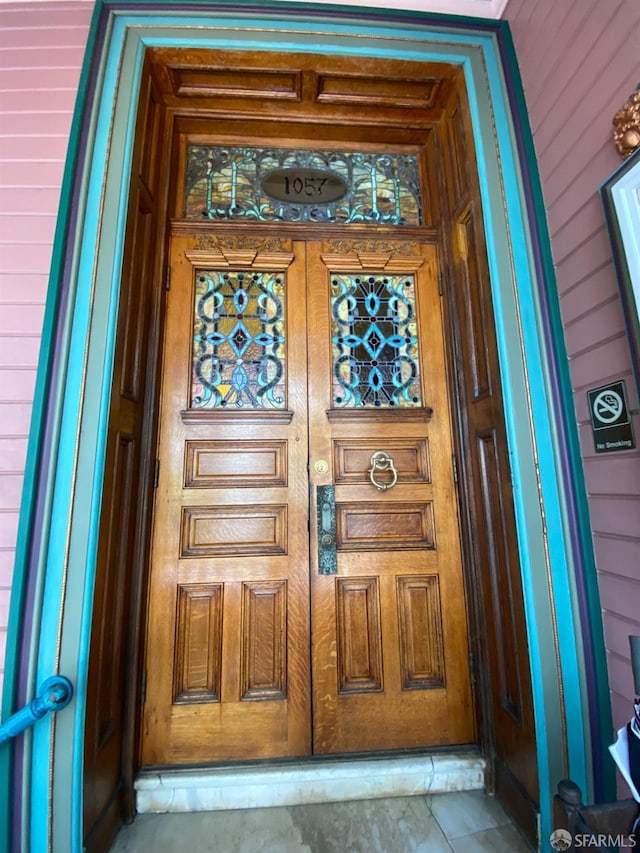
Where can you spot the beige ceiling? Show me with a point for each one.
(476, 8)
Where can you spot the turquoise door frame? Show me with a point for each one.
(52, 607)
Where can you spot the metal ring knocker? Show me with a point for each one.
(381, 461)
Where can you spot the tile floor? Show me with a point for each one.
(462, 822)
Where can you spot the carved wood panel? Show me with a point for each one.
(500, 581)
(135, 339)
(235, 464)
(110, 595)
(352, 459)
(420, 628)
(262, 83)
(198, 655)
(378, 91)
(305, 86)
(387, 525)
(476, 299)
(359, 635)
(234, 530)
(264, 640)
(150, 154)
(456, 160)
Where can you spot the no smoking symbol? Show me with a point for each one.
(608, 406)
(610, 421)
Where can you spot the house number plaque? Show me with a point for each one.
(299, 185)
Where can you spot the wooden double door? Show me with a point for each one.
(306, 588)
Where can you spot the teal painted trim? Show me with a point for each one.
(24, 542)
(117, 75)
(331, 11)
(74, 496)
(268, 37)
(595, 626)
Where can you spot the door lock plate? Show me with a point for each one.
(326, 516)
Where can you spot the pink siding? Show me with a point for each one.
(41, 50)
(579, 63)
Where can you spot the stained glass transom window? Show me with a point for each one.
(239, 347)
(375, 341)
(232, 183)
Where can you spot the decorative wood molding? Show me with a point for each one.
(212, 531)
(235, 463)
(626, 123)
(352, 459)
(263, 671)
(372, 262)
(373, 246)
(224, 258)
(197, 674)
(203, 239)
(423, 413)
(235, 416)
(385, 525)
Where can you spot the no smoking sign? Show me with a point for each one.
(610, 420)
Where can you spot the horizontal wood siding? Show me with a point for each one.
(41, 50)
(579, 63)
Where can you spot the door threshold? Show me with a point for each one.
(303, 782)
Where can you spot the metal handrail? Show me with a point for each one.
(55, 694)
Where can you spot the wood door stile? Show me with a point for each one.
(230, 552)
(389, 656)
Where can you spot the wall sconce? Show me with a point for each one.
(626, 124)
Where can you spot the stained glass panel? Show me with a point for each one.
(233, 183)
(239, 347)
(375, 341)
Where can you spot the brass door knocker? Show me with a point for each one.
(382, 462)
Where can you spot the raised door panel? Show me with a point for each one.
(109, 641)
(264, 640)
(359, 638)
(475, 302)
(216, 531)
(352, 458)
(394, 526)
(504, 627)
(235, 464)
(420, 632)
(197, 665)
